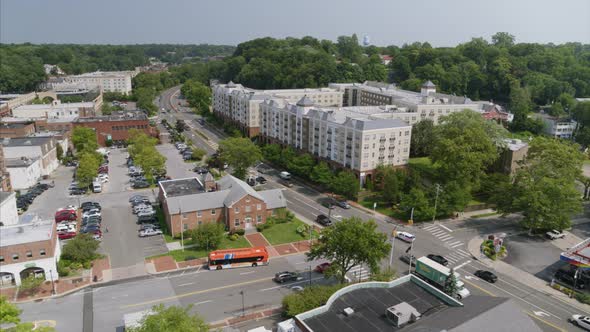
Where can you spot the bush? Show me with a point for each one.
(310, 298)
(260, 228)
(584, 298)
(241, 232)
(303, 230)
(63, 268)
(234, 237)
(31, 283)
(207, 235)
(81, 249)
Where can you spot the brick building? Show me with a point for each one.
(115, 127)
(16, 129)
(511, 156)
(28, 249)
(190, 202)
(44, 148)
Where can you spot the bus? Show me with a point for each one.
(228, 258)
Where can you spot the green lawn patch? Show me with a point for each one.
(424, 166)
(382, 207)
(285, 233)
(193, 253)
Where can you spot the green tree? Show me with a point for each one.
(272, 153)
(322, 174)
(416, 199)
(172, 318)
(301, 165)
(391, 186)
(10, 314)
(544, 187)
(197, 94)
(422, 138)
(84, 140)
(348, 243)
(31, 283)
(450, 287)
(59, 151)
(520, 104)
(180, 126)
(207, 236)
(309, 298)
(142, 149)
(87, 168)
(345, 183)
(240, 153)
(198, 154)
(465, 146)
(81, 249)
(503, 39)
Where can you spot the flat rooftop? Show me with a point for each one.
(4, 195)
(24, 141)
(87, 104)
(116, 116)
(26, 233)
(18, 162)
(182, 187)
(15, 125)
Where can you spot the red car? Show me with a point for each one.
(66, 235)
(103, 169)
(65, 216)
(322, 267)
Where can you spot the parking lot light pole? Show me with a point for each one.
(52, 284)
(411, 257)
(393, 234)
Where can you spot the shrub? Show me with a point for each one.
(260, 228)
(584, 298)
(234, 237)
(241, 232)
(557, 287)
(310, 298)
(63, 268)
(31, 283)
(303, 230)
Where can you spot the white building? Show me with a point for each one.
(557, 127)
(28, 249)
(55, 110)
(357, 138)
(428, 104)
(42, 148)
(109, 81)
(24, 172)
(240, 105)
(8, 211)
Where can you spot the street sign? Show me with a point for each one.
(374, 205)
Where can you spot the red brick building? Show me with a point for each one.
(190, 202)
(115, 127)
(16, 129)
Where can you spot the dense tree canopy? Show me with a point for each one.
(172, 318)
(239, 153)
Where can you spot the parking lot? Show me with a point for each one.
(121, 242)
(176, 167)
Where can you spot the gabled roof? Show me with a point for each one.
(237, 189)
(428, 84)
(196, 202)
(274, 198)
(305, 102)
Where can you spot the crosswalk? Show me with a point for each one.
(457, 255)
(358, 273)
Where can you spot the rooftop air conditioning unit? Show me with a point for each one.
(401, 314)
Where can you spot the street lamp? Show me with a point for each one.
(52, 284)
(435, 201)
(393, 234)
(576, 276)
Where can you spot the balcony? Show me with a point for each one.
(349, 138)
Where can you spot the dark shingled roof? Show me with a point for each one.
(305, 102)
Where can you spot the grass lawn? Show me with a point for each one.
(382, 207)
(192, 253)
(424, 166)
(285, 233)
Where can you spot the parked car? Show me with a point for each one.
(149, 226)
(142, 207)
(65, 227)
(89, 204)
(71, 208)
(78, 191)
(91, 229)
(408, 259)
(581, 321)
(343, 204)
(187, 156)
(555, 234)
(439, 259)
(568, 278)
(261, 180)
(66, 235)
(137, 197)
(140, 184)
(322, 267)
(323, 220)
(406, 237)
(143, 201)
(285, 175)
(285, 276)
(486, 275)
(149, 232)
(66, 216)
(200, 170)
(251, 181)
(146, 213)
(147, 219)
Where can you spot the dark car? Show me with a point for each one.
(343, 204)
(439, 259)
(200, 170)
(140, 184)
(187, 156)
(201, 122)
(568, 277)
(407, 258)
(285, 276)
(147, 219)
(323, 220)
(261, 180)
(251, 181)
(87, 206)
(91, 229)
(486, 275)
(78, 191)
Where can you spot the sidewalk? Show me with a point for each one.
(524, 277)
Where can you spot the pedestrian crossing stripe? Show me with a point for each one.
(431, 227)
(457, 245)
(445, 237)
(438, 232)
(453, 243)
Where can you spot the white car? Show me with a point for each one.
(581, 321)
(66, 227)
(149, 232)
(92, 213)
(146, 213)
(139, 208)
(406, 237)
(103, 178)
(555, 234)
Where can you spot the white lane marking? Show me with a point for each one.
(247, 272)
(457, 245)
(203, 302)
(188, 283)
(453, 243)
(300, 263)
(439, 232)
(445, 237)
(448, 229)
(461, 265)
(271, 288)
(118, 297)
(466, 253)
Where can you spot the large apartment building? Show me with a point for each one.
(109, 81)
(241, 106)
(426, 104)
(358, 138)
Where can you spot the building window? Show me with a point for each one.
(14, 257)
(248, 208)
(258, 207)
(42, 252)
(199, 214)
(185, 227)
(247, 198)
(29, 254)
(237, 222)
(200, 222)
(213, 211)
(259, 219)
(1, 258)
(237, 209)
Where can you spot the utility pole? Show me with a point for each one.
(575, 281)
(181, 229)
(411, 257)
(52, 284)
(393, 234)
(437, 186)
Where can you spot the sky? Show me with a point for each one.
(386, 22)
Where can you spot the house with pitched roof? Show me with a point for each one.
(190, 202)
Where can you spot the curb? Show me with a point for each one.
(225, 322)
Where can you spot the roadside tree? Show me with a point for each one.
(416, 199)
(240, 153)
(81, 249)
(84, 140)
(322, 174)
(345, 183)
(301, 165)
(349, 243)
(207, 236)
(309, 298)
(142, 149)
(172, 318)
(450, 287)
(87, 168)
(10, 315)
(198, 95)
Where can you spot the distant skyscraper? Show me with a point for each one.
(366, 40)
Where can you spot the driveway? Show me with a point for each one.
(48, 202)
(534, 255)
(176, 167)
